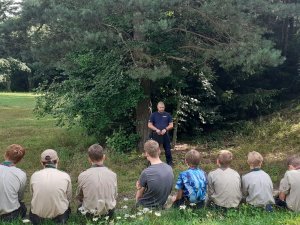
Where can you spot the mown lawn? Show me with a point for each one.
(276, 137)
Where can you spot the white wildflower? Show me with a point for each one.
(126, 216)
(150, 211)
(125, 207)
(145, 210)
(157, 214)
(126, 199)
(95, 219)
(192, 204)
(106, 218)
(139, 213)
(92, 211)
(26, 221)
(133, 216)
(118, 217)
(182, 207)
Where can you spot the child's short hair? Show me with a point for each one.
(192, 158)
(14, 153)
(255, 159)
(95, 152)
(152, 148)
(293, 161)
(225, 158)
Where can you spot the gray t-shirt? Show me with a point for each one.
(12, 185)
(157, 180)
(258, 188)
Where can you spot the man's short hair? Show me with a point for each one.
(225, 158)
(192, 158)
(161, 103)
(96, 152)
(14, 153)
(255, 159)
(152, 148)
(294, 161)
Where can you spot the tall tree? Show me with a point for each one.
(154, 40)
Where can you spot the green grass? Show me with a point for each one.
(275, 137)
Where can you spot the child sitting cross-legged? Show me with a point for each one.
(257, 185)
(191, 183)
(224, 184)
(289, 191)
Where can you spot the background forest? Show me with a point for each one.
(103, 64)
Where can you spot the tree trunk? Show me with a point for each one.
(143, 111)
(143, 108)
(176, 118)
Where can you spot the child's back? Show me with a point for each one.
(193, 183)
(290, 186)
(258, 188)
(224, 187)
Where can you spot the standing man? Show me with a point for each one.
(156, 181)
(160, 123)
(12, 184)
(51, 191)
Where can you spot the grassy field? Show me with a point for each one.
(275, 136)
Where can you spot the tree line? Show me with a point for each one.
(105, 64)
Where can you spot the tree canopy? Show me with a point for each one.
(102, 63)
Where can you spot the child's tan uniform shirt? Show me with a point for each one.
(97, 190)
(51, 192)
(290, 185)
(224, 187)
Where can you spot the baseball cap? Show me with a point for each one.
(49, 155)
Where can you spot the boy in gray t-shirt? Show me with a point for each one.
(257, 185)
(156, 181)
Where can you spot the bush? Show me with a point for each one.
(120, 141)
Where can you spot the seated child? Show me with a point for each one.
(191, 184)
(12, 185)
(289, 191)
(224, 183)
(257, 185)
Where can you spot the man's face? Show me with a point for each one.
(160, 108)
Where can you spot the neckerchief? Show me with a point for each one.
(97, 165)
(50, 166)
(255, 169)
(8, 163)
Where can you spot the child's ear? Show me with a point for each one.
(290, 167)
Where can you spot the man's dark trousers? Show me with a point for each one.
(167, 147)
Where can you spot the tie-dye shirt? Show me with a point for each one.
(193, 182)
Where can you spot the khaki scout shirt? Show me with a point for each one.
(290, 185)
(97, 190)
(224, 187)
(51, 192)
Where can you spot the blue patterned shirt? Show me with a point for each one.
(193, 182)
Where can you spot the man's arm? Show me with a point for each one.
(139, 192)
(152, 127)
(169, 127)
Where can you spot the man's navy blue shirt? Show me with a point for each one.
(160, 120)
